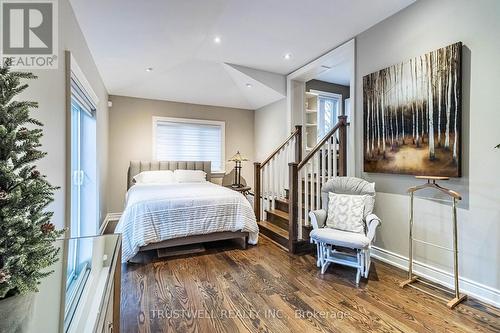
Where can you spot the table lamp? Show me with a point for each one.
(237, 159)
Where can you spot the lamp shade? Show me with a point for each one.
(238, 157)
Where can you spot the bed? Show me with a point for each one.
(159, 215)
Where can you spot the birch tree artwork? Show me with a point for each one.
(412, 116)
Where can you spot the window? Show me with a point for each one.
(329, 108)
(84, 195)
(177, 139)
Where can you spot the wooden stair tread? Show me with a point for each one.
(280, 213)
(274, 228)
(282, 200)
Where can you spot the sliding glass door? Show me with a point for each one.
(84, 195)
(83, 167)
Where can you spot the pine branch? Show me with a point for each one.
(26, 233)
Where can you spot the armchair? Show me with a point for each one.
(330, 241)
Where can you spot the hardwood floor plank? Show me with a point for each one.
(265, 289)
(144, 298)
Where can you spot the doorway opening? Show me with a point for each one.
(321, 91)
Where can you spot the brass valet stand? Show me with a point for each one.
(431, 183)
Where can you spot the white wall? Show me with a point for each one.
(424, 26)
(49, 91)
(270, 128)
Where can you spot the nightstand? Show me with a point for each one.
(245, 190)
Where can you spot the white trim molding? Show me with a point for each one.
(477, 290)
(78, 73)
(109, 217)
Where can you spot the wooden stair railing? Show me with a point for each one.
(307, 176)
(271, 176)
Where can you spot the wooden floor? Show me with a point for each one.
(264, 289)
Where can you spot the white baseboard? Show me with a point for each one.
(477, 290)
(109, 217)
(113, 216)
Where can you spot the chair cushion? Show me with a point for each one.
(346, 212)
(350, 185)
(348, 239)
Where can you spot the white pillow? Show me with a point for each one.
(155, 176)
(190, 176)
(346, 212)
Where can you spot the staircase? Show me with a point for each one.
(285, 182)
(275, 226)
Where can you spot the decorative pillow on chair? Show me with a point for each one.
(346, 212)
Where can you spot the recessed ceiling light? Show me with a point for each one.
(287, 56)
(149, 69)
(249, 85)
(217, 40)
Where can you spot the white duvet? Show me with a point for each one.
(157, 212)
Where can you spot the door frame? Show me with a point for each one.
(295, 85)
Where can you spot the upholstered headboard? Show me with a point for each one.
(137, 167)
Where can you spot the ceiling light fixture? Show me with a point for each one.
(149, 69)
(249, 85)
(287, 56)
(217, 40)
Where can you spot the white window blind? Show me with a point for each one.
(178, 139)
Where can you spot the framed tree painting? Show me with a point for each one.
(412, 116)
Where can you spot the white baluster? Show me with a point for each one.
(318, 181)
(313, 192)
(329, 155)
(334, 156)
(268, 181)
(306, 193)
(290, 158)
(299, 201)
(264, 193)
(276, 168)
(285, 169)
(278, 172)
(284, 172)
(272, 166)
(281, 172)
(323, 165)
(299, 204)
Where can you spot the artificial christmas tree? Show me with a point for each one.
(26, 233)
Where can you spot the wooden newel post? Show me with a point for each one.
(343, 146)
(256, 187)
(293, 206)
(298, 144)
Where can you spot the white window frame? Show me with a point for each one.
(328, 95)
(222, 125)
(74, 289)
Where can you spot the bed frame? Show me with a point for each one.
(137, 167)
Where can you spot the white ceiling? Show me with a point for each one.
(334, 66)
(340, 74)
(175, 38)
